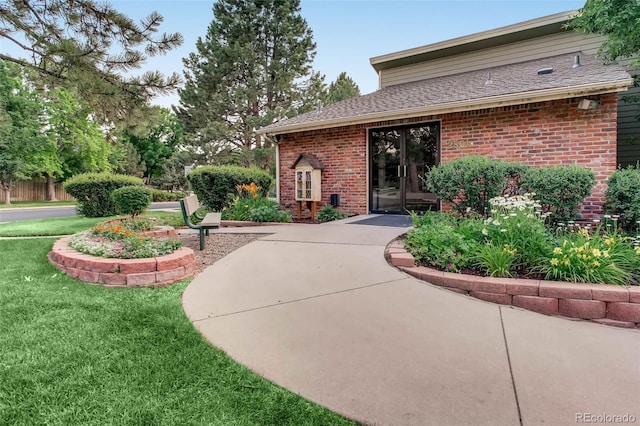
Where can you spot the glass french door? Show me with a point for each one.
(401, 158)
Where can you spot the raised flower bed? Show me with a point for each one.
(605, 304)
(113, 256)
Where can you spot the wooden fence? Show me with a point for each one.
(34, 190)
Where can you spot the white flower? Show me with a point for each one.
(484, 231)
(503, 230)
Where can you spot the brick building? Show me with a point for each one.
(531, 93)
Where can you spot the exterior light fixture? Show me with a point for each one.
(587, 104)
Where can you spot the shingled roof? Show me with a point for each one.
(502, 85)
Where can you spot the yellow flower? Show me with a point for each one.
(557, 250)
(554, 261)
(609, 241)
(596, 263)
(583, 232)
(596, 252)
(567, 262)
(638, 249)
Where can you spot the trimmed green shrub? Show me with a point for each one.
(469, 183)
(328, 214)
(131, 200)
(269, 213)
(560, 189)
(256, 210)
(92, 191)
(623, 196)
(216, 185)
(161, 195)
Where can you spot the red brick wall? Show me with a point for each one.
(342, 151)
(540, 134)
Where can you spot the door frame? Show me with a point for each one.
(370, 171)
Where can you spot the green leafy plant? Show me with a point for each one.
(516, 222)
(328, 214)
(440, 245)
(469, 183)
(602, 257)
(269, 213)
(131, 200)
(93, 191)
(216, 186)
(158, 195)
(559, 189)
(249, 205)
(623, 196)
(496, 260)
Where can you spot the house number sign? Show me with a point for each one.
(458, 144)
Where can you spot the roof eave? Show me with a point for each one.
(497, 36)
(466, 105)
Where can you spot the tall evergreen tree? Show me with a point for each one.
(91, 47)
(252, 68)
(343, 88)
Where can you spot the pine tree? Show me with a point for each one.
(252, 68)
(343, 88)
(89, 47)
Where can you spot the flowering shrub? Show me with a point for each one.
(249, 204)
(251, 190)
(601, 257)
(123, 240)
(515, 230)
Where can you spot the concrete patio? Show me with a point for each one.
(317, 309)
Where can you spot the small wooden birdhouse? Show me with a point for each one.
(308, 177)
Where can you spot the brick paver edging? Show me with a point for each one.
(147, 272)
(606, 304)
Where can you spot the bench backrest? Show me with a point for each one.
(191, 204)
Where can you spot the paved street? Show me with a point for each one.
(15, 214)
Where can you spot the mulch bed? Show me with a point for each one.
(216, 247)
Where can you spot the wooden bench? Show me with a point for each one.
(189, 206)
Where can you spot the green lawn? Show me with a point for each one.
(15, 204)
(69, 225)
(77, 354)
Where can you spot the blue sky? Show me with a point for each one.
(349, 32)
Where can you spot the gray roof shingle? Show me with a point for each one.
(517, 78)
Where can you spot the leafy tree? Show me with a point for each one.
(74, 142)
(156, 143)
(343, 88)
(173, 177)
(20, 127)
(125, 160)
(618, 20)
(252, 68)
(91, 47)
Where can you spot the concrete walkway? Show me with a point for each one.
(316, 309)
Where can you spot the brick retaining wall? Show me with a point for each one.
(148, 272)
(602, 303)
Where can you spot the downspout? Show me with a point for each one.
(274, 141)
